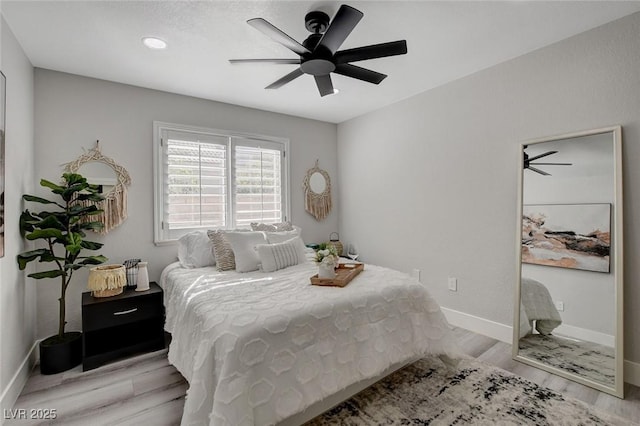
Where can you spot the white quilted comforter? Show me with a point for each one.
(259, 347)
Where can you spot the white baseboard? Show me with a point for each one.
(16, 384)
(584, 334)
(632, 372)
(504, 333)
(486, 327)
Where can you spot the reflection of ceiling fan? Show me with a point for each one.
(528, 162)
(319, 55)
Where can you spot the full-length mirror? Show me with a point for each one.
(568, 306)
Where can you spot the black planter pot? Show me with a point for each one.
(58, 355)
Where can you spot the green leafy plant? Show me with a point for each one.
(63, 231)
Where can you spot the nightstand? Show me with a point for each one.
(117, 326)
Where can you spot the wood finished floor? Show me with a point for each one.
(146, 390)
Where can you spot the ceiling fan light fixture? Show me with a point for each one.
(319, 53)
(154, 43)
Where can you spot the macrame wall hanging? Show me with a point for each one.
(114, 205)
(317, 192)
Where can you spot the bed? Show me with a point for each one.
(537, 309)
(259, 348)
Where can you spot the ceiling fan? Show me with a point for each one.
(319, 55)
(528, 162)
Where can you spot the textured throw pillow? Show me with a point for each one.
(274, 257)
(244, 249)
(272, 227)
(195, 250)
(222, 251)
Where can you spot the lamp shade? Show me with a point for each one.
(107, 280)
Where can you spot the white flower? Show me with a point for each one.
(329, 253)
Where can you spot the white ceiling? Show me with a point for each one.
(446, 40)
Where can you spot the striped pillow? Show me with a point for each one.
(274, 257)
(222, 251)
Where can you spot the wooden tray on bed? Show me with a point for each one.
(345, 272)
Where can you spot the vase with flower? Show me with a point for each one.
(327, 260)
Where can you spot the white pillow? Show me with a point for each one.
(282, 236)
(244, 249)
(195, 250)
(281, 255)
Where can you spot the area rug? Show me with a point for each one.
(428, 393)
(590, 360)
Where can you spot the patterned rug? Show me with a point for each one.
(590, 360)
(427, 393)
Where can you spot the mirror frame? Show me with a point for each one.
(317, 204)
(114, 205)
(618, 388)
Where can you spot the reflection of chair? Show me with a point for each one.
(537, 305)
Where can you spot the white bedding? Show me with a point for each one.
(259, 347)
(538, 306)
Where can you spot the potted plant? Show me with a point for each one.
(62, 230)
(327, 259)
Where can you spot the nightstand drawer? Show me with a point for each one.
(123, 311)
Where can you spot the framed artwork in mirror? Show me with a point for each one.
(3, 98)
(573, 236)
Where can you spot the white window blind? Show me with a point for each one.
(196, 182)
(210, 179)
(258, 183)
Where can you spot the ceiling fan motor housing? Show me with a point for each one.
(320, 61)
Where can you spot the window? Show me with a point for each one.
(209, 179)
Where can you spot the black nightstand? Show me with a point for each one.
(113, 327)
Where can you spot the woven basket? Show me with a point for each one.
(107, 280)
(107, 293)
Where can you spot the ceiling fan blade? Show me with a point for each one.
(542, 155)
(277, 35)
(360, 73)
(373, 51)
(286, 79)
(325, 86)
(340, 27)
(552, 164)
(538, 171)
(265, 61)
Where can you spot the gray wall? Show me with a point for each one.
(72, 112)
(431, 182)
(17, 293)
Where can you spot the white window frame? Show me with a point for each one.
(160, 236)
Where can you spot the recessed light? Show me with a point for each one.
(154, 43)
(336, 91)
